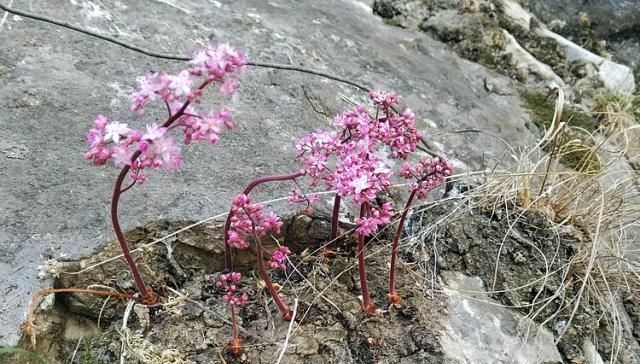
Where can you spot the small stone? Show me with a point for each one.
(350, 319)
(142, 312)
(499, 86)
(306, 345)
(425, 339)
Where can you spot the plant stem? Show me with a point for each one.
(334, 217)
(367, 305)
(235, 345)
(228, 262)
(394, 297)
(148, 296)
(234, 324)
(284, 309)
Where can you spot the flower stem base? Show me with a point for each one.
(370, 309)
(394, 298)
(235, 346)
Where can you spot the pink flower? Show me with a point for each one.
(236, 241)
(115, 130)
(181, 83)
(359, 184)
(296, 196)
(168, 153)
(279, 258)
(216, 61)
(383, 98)
(225, 115)
(229, 86)
(231, 284)
(377, 217)
(122, 154)
(149, 87)
(271, 222)
(312, 198)
(427, 175)
(100, 122)
(94, 138)
(154, 132)
(98, 155)
(248, 221)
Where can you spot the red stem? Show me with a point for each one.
(148, 297)
(147, 293)
(284, 309)
(235, 345)
(234, 324)
(367, 305)
(228, 263)
(394, 297)
(128, 187)
(334, 218)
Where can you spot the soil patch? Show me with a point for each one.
(525, 261)
(330, 325)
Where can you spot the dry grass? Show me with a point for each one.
(602, 206)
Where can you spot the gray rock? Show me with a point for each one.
(405, 13)
(55, 81)
(480, 330)
(605, 17)
(626, 51)
(614, 76)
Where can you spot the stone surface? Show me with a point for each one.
(505, 36)
(610, 25)
(614, 76)
(605, 17)
(53, 82)
(482, 331)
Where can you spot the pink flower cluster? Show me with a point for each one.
(155, 148)
(213, 63)
(360, 171)
(279, 258)
(114, 140)
(376, 217)
(296, 196)
(314, 151)
(230, 282)
(426, 175)
(249, 221)
(349, 160)
(388, 127)
(351, 166)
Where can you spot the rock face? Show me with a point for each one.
(53, 82)
(480, 330)
(503, 35)
(614, 21)
(607, 17)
